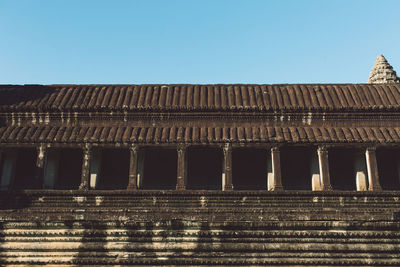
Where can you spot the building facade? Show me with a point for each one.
(240, 174)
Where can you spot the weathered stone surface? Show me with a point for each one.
(382, 72)
(69, 228)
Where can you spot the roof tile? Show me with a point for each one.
(12, 134)
(200, 97)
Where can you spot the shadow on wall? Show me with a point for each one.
(15, 200)
(93, 243)
(143, 243)
(155, 242)
(172, 242)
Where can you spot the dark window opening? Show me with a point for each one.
(341, 169)
(249, 169)
(69, 169)
(388, 168)
(205, 168)
(160, 169)
(296, 168)
(25, 170)
(114, 169)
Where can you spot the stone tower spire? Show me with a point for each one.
(382, 72)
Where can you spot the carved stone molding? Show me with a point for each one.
(181, 178)
(276, 169)
(87, 149)
(323, 161)
(372, 169)
(133, 167)
(227, 184)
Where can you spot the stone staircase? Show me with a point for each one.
(73, 228)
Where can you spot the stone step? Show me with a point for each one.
(198, 205)
(226, 209)
(234, 225)
(220, 216)
(210, 261)
(198, 216)
(206, 228)
(203, 240)
(242, 198)
(15, 233)
(212, 245)
(197, 196)
(178, 259)
(197, 254)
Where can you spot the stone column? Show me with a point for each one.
(397, 162)
(270, 174)
(360, 169)
(8, 170)
(140, 168)
(181, 180)
(133, 168)
(40, 165)
(323, 161)
(316, 183)
(274, 172)
(227, 168)
(85, 167)
(372, 168)
(95, 167)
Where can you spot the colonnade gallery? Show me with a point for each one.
(201, 137)
(196, 175)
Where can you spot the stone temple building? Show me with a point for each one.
(187, 174)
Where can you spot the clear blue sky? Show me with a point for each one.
(188, 41)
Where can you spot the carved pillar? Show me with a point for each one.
(140, 174)
(40, 165)
(85, 167)
(95, 167)
(316, 183)
(270, 173)
(323, 161)
(227, 168)
(133, 167)
(181, 180)
(360, 169)
(274, 175)
(372, 168)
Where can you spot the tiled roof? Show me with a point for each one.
(306, 134)
(250, 97)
